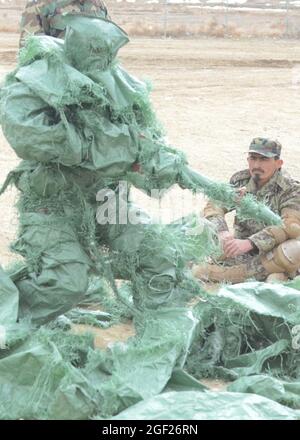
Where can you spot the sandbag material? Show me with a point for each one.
(38, 380)
(195, 405)
(282, 391)
(247, 329)
(155, 259)
(59, 84)
(143, 367)
(37, 132)
(253, 363)
(57, 263)
(120, 87)
(92, 43)
(9, 301)
(266, 299)
(182, 381)
(41, 47)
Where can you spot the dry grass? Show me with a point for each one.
(142, 19)
(238, 24)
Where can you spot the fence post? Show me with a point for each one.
(166, 19)
(287, 30)
(225, 21)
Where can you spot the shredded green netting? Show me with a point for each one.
(247, 330)
(82, 124)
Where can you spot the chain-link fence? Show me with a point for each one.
(190, 18)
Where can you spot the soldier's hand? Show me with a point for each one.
(234, 247)
(136, 167)
(240, 193)
(225, 235)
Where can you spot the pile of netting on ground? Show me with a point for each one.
(246, 334)
(81, 124)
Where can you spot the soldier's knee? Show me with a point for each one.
(291, 219)
(283, 258)
(73, 278)
(212, 272)
(53, 292)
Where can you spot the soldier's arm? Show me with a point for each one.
(216, 215)
(160, 167)
(100, 6)
(30, 23)
(271, 236)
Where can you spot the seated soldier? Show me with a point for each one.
(254, 251)
(43, 17)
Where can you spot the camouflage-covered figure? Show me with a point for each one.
(44, 16)
(272, 249)
(85, 127)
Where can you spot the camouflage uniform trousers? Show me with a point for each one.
(254, 267)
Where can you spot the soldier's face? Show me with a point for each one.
(262, 168)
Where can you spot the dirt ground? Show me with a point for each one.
(212, 95)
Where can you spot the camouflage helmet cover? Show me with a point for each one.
(265, 147)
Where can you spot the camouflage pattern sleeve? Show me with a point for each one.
(31, 22)
(240, 178)
(216, 215)
(290, 197)
(264, 240)
(289, 209)
(219, 223)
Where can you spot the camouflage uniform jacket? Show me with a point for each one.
(280, 192)
(44, 16)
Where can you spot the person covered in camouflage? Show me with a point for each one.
(86, 133)
(254, 251)
(43, 17)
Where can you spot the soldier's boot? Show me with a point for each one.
(216, 273)
(277, 277)
(280, 263)
(284, 259)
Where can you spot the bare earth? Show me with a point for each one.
(212, 95)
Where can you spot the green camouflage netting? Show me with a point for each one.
(81, 124)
